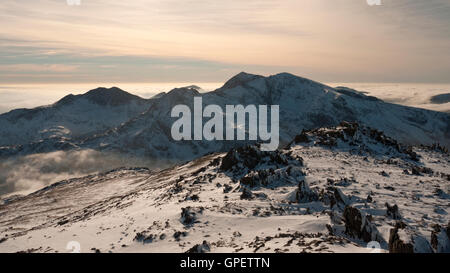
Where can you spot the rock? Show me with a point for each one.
(302, 138)
(359, 226)
(248, 157)
(193, 197)
(250, 180)
(340, 197)
(177, 235)
(205, 247)
(393, 212)
(402, 239)
(417, 170)
(333, 196)
(272, 177)
(448, 230)
(396, 244)
(229, 161)
(441, 194)
(63, 222)
(304, 194)
(440, 239)
(189, 215)
(247, 194)
(344, 182)
(96, 250)
(144, 238)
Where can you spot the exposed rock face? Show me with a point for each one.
(356, 135)
(247, 194)
(440, 239)
(304, 194)
(403, 239)
(397, 244)
(448, 230)
(359, 225)
(272, 177)
(334, 197)
(205, 247)
(189, 215)
(144, 238)
(392, 211)
(251, 156)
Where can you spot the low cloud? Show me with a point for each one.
(23, 175)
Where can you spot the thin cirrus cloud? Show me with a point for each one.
(175, 40)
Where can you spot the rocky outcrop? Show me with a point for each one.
(359, 137)
(334, 197)
(403, 239)
(249, 157)
(247, 194)
(189, 215)
(304, 194)
(397, 244)
(393, 212)
(440, 239)
(272, 177)
(358, 225)
(204, 247)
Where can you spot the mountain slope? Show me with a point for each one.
(73, 116)
(331, 190)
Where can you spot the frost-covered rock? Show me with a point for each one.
(440, 239)
(189, 215)
(358, 225)
(402, 239)
(304, 194)
(393, 212)
(204, 247)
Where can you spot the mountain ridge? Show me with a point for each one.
(304, 104)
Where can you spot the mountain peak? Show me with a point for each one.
(183, 91)
(240, 79)
(113, 96)
(195, 87)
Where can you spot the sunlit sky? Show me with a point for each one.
(49, 41)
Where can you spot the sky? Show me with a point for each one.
(49, 41)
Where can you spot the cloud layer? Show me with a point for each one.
(26, 174)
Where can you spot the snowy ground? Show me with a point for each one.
(292, 200)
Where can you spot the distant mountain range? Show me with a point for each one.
(114, 120)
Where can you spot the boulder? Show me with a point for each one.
(358, 225)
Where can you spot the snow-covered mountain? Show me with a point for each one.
(74, 116)
(303, 104)
(336, 189)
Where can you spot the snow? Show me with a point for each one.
(105, 212)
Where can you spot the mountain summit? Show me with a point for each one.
(240, 79)
(113, 96)
(73, 116)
